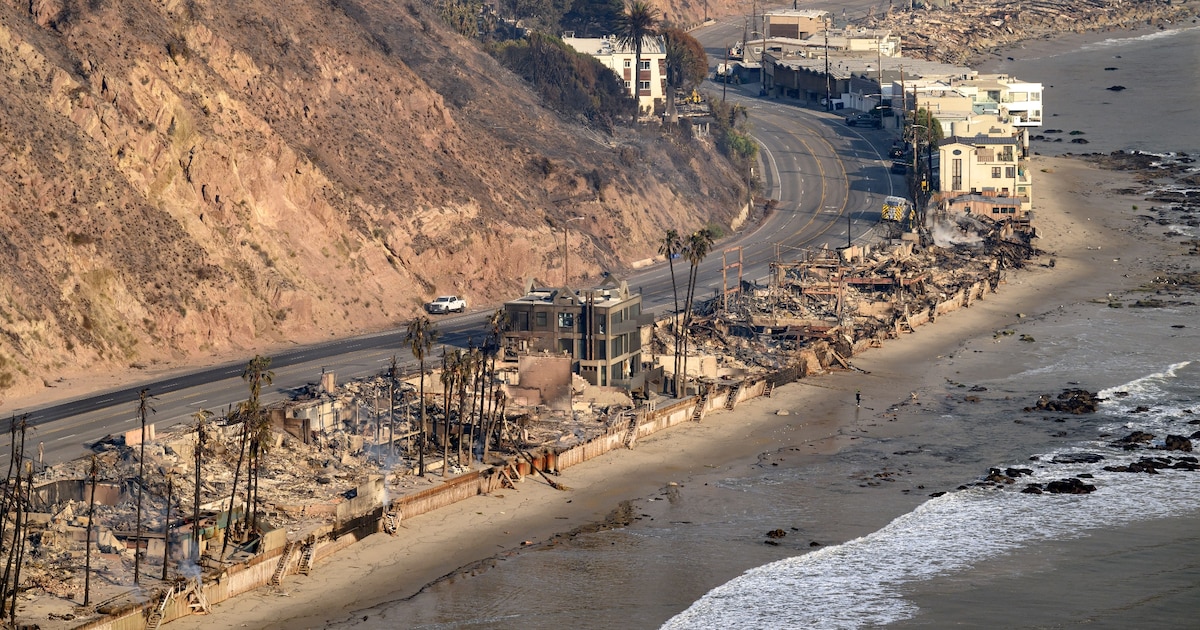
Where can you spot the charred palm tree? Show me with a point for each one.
(670, 247)
(257, 373)
(697, 248)
(144, 398)
(237, 416)
(93, 474)
(420, 337)
(468, 361)
(201, 417)
(15, 506)
(638, 21)
(392, 410)
(497, 324)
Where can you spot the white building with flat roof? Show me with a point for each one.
(650, 79)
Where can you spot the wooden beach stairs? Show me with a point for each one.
(281, 568)
(731, 400)
(306, 559)
(701, 402)
(631, 432)
(156, 615)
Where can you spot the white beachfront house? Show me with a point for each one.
(651, 78)
(988, 166)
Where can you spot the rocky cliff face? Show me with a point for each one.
(184, 179)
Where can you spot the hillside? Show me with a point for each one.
(189, 180)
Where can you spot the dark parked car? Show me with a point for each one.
(864, 120)
(899, 168)
(897, 151)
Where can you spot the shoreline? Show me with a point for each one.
(470, 536)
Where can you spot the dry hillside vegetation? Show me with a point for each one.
(189, 179)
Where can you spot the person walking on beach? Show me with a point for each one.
(858, 398)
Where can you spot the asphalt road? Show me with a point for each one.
(829, 180)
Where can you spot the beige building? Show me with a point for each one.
(650, 80)
(984, 166)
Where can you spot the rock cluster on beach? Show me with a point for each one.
(1076, 401)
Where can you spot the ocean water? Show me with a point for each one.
(865, 582)
(1155, 109)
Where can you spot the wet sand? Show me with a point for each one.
(1081, 224)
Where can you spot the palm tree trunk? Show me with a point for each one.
(233, 493)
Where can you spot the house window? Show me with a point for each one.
(1010, 172)
(522, 320)
(956, 174)
(539, 319)
(627, 84)
(628, 63)
(600, 324)
(645, 65)
(566, 320)
(995, 172)
(643, 85)
(567, 346)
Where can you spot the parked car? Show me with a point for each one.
(898, 152)
(446, 304)
(899, 168)
(862, 119)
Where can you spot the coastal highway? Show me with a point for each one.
(829, 180)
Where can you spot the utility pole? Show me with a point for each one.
(828, 91)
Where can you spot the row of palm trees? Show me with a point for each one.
(474, 370)
(694, 248)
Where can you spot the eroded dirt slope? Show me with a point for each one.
(188, 179)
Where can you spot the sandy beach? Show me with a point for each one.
(1081, 222)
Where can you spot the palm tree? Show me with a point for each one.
(143, 404)
(670, 247)
(497, 324)
(420, 337)
(201, 416)
(697, 248)
(93, 473)
(257, 372)
(451, 365)
(639, 21)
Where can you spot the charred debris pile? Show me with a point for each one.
(834, 303)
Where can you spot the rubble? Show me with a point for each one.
(967, 29)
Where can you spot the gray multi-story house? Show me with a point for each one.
(600, 328)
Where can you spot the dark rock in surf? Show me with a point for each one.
(1133, 440)
(1116, 88)
(1077, 458)
(776, 533)
(1177, 443)
(1069, 486)
(1076, 401)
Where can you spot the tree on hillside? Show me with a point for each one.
(639, 21)
(687, 63)
(541, 15)
(420, 337)
(670, 247)
(592, 18)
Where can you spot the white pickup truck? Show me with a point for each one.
(446, 304)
